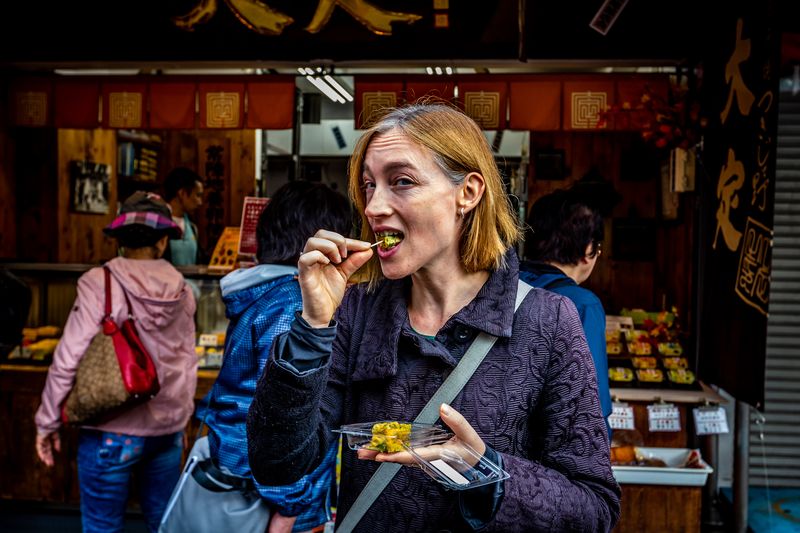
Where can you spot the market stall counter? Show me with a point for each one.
(23, 372)
(661, 476)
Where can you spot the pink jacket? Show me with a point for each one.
(164, 307)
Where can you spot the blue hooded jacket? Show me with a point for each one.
(591, 312)
(260, 303)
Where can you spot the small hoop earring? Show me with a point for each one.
(461, 212)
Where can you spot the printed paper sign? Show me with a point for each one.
(710, 420)
(248, 243)
(621, 417)
(663, 417)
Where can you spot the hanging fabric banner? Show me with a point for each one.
(124, 104)
(485, 102)
(373, 96)
(584, 103)
(221, 105)
(439, 88)
(270, 105)
(741, 81)
(172, 105)
(77, 103)
(535, 105)
(31, 102)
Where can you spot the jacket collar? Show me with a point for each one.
(491, 311)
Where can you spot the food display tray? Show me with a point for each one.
(672, 474)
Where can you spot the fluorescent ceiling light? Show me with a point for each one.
(336, 85)
(96, 72)
(325, 89)
(208, 71)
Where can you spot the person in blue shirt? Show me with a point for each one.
(260, 303)
(562, 245)
(183, 190)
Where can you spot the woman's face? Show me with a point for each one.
(409, 198)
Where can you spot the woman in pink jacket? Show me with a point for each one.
(147, 439)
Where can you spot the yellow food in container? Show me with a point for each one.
(389, 437)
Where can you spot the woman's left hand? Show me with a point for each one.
(464, 433)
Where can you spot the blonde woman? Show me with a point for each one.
(424, 179)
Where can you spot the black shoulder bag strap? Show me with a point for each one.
(429, 414)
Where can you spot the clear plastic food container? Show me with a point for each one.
(390, 435)
(456, 465)
(435, 450)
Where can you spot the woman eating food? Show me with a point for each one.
(425, 183)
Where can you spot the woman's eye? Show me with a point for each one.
(403, 182)
(368, 186)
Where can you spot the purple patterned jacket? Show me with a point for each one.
(533, 400)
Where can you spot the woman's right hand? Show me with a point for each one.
(327, 262)
(45, 444)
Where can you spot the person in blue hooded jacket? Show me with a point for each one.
(562, 245)
(260, 303)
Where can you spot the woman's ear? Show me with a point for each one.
(161, 246)
(472, 190)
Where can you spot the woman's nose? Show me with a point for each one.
(377, 203)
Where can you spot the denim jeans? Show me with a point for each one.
(106, 462)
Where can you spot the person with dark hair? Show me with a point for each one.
(146, 439)
(562, 245)
(260, 303)
(183, 189)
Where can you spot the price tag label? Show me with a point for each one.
(710, 420)
(208, 339)
(663, 417)
(621, 416)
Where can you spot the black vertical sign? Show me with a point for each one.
(741, 82)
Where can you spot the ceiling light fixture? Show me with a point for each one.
(429, 70)
(336, 85)
(322, 79)
(95, 72)
(326, 89)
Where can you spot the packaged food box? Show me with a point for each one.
(650, 375)
(644, 362)
(621, 374)
(447, 460)
(41, 349)
(613, 335)
(214, 357)
(48, 331)
(671, 363)
(681, 376)
(614, 347)
(670, 348)
(639, 348)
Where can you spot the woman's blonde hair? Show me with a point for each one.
(458, 148)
